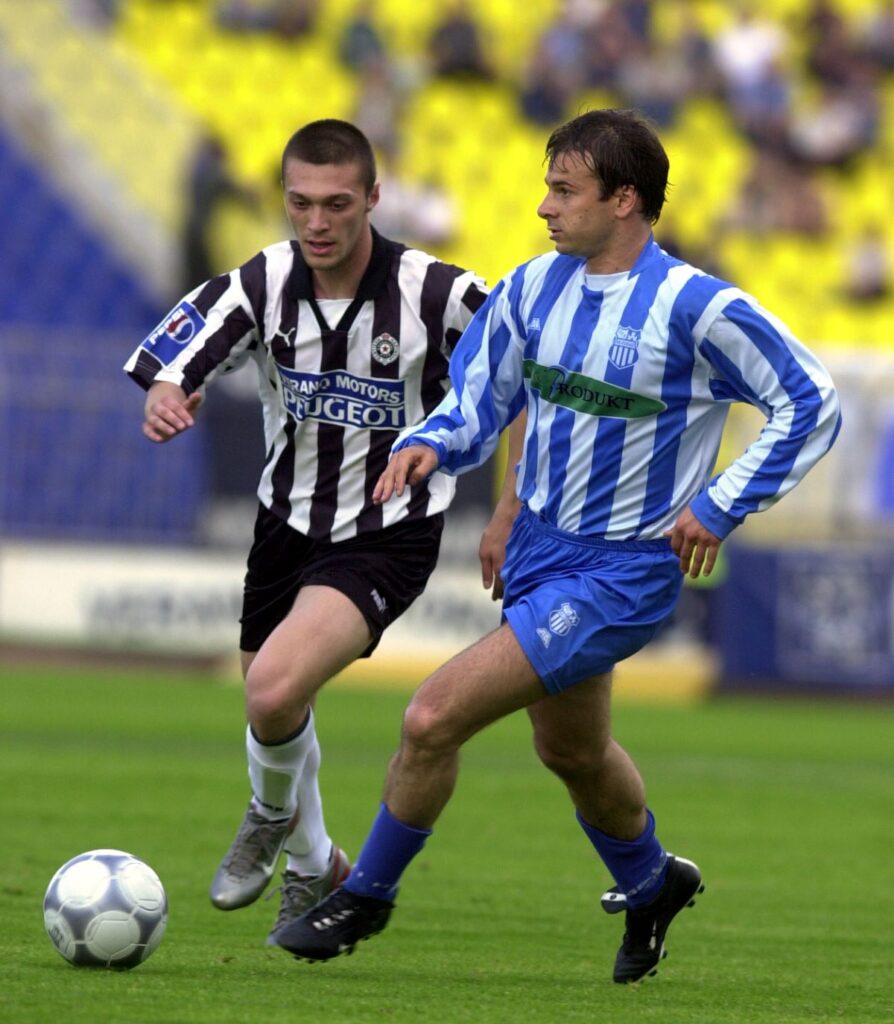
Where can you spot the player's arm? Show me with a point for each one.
(759, 361)
(492, 549)
(168, 412)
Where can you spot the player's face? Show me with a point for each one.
(580, 219)
(329, 209)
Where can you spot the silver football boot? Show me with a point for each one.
(250, 862)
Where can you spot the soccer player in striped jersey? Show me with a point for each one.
(351, 335)
(625, 362)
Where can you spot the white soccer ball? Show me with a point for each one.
(105, 908)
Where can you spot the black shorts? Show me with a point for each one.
(382, 573)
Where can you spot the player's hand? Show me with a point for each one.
(411, 465)
(168, 412)
(492, 549)
(693, 544)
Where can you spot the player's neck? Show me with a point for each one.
(342, 282)
(621, 254)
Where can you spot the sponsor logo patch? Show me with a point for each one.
(574, 391)
(344, 399)
(176, 331)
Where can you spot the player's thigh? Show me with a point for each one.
(322, 634)
(480, 685)
(575, 719)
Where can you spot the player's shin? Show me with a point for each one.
(638, 865)
(308, 846)
(274, 769)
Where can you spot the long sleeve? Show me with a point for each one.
(756, 359)
(486, 374)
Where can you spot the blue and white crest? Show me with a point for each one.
(624, 349)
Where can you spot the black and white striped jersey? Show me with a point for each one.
(338, 380)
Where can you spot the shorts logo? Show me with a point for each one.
(545, 636)
(177, 329)
(380, 601)
(385, 349)
(624, 349)
(561, 620)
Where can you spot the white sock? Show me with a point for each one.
(308, 846)
(274, 769)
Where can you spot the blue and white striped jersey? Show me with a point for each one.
(627, 379)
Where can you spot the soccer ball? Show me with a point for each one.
(105, 908)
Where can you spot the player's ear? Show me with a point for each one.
(626, 200)
(373, 198)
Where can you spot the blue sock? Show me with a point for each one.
(389, 848)
(637, 865)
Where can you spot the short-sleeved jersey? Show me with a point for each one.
(334, 396)
(627, 380)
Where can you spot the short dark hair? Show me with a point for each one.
(622, 148)
(331, 141)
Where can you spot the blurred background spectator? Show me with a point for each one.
(209, 184)
(286, 18)
(455, 46)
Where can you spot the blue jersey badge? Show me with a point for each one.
(177, 329)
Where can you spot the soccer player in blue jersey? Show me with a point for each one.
(623, 362)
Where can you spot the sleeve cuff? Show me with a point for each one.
(720, 523)
(438, 447)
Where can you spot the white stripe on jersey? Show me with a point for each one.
(627, 379)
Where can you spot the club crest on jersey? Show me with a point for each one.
(624, 349)
(563, 619)
(385, 349)
(177, 329)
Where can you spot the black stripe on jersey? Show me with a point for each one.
(439, 280)
(237, 323)
(216, 349)
(253, 276)
(211, 292)
(284, 473)
(330, 446)
(473, 299)
(386, 320)
(282, 348)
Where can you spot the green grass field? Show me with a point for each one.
(788, 807)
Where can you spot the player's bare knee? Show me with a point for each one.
(568, 760)
(426, 728)
(268, 700)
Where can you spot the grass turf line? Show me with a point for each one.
(786, 806)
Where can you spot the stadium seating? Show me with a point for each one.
(471, 139)
(182, 73)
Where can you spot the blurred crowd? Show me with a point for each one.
(803, 91)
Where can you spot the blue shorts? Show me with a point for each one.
(578, 605)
